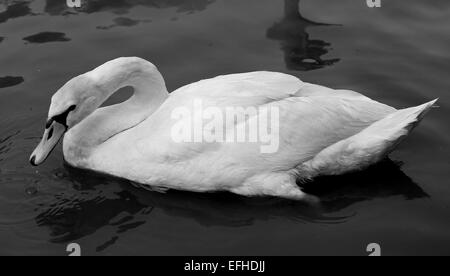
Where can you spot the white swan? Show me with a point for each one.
(322, 131)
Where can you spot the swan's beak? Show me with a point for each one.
(52, 135)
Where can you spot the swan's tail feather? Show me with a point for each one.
(367, 147)
(400, 123)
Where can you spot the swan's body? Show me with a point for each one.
(322, 131)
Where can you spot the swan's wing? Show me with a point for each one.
(307, 125)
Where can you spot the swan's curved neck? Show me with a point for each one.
(103, 124)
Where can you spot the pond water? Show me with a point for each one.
(397, 54)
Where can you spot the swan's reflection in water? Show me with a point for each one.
(97, 201)
(382, 180)
(300, 52)
(57, 7)
(20, 8)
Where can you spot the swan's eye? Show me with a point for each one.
(72, 108)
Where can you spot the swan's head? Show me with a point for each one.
(73, 102)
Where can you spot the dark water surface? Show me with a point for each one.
(398, 54)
